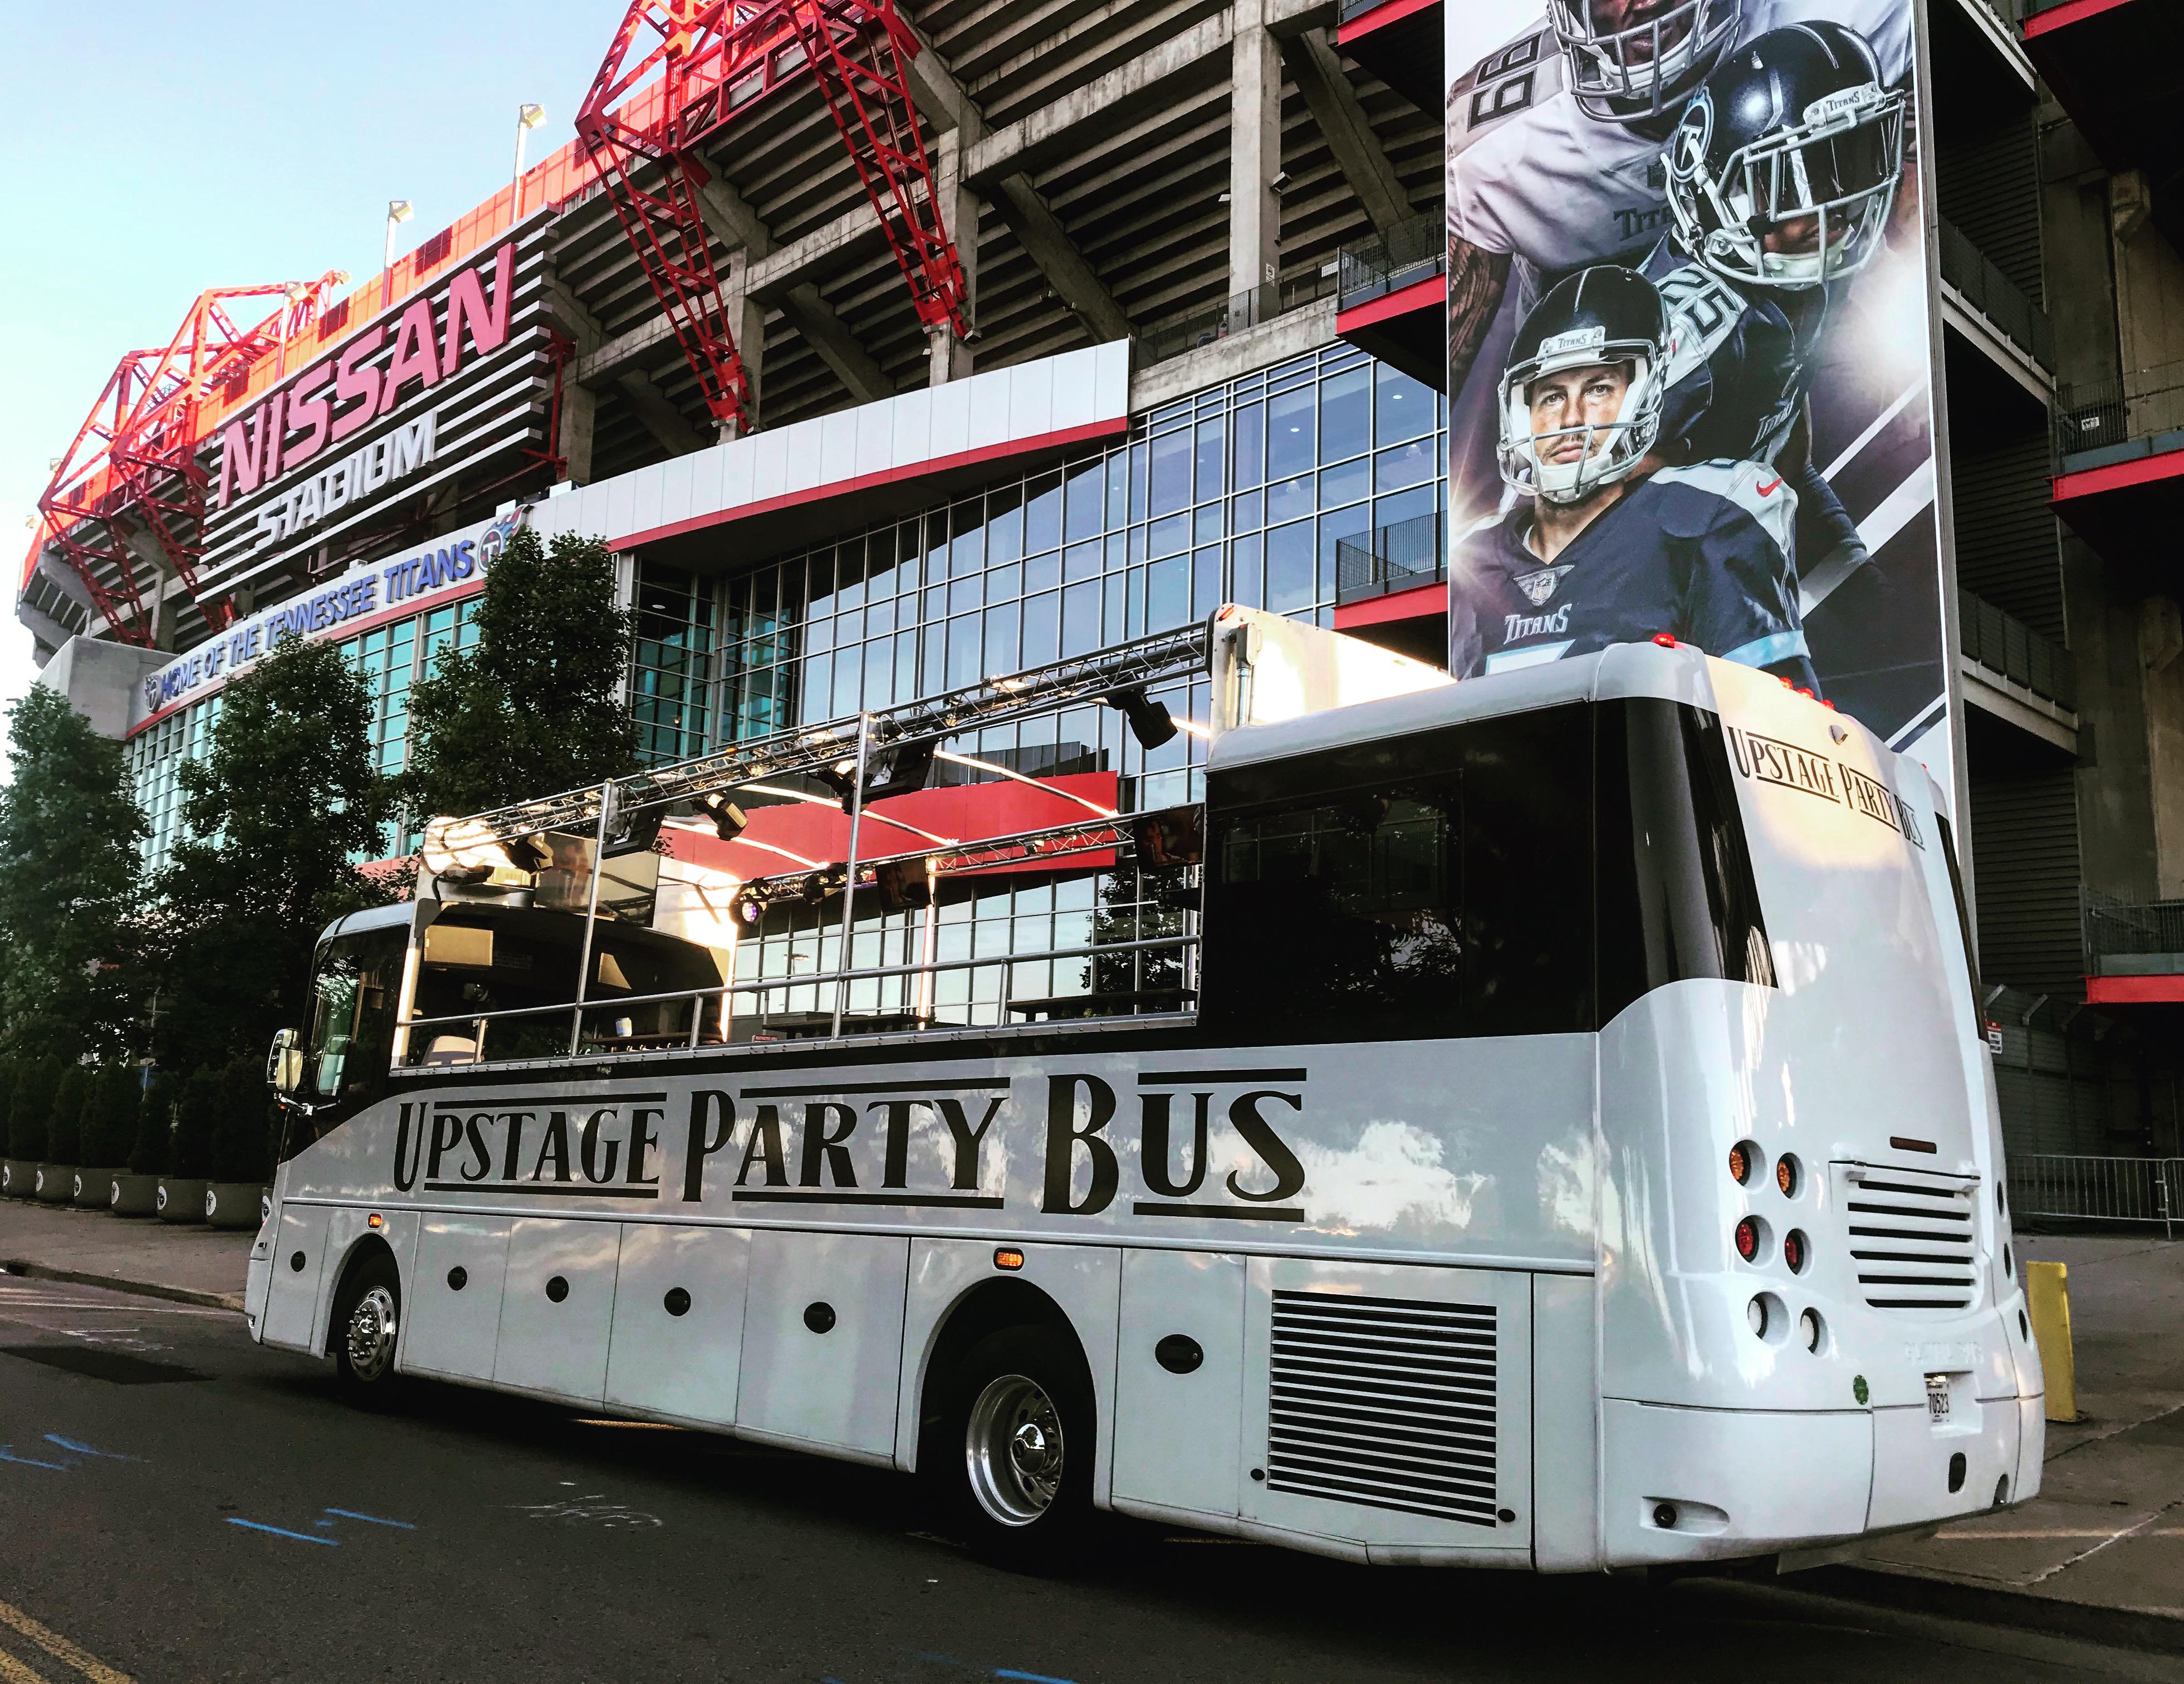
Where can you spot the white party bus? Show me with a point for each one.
(1538, 1122)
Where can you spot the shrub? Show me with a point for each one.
(109, 1115)
(197, 1114)
(65, 1120)
(155, 1117)
(31, 1106)
(242, 1134)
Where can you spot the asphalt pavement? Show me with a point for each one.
(176, 1503)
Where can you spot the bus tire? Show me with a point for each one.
(1012, 1461)
(367, 1324)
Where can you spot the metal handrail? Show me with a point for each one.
(1995, 296)
(2081, 1187)
(2002, 644)
(835, 979)
(1411, 252)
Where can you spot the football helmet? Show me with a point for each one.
(1793, 137)
(1605, 314)
(1645, 69)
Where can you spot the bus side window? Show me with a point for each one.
(1439, 884)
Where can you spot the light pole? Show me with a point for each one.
(527, 118)
(398, 211)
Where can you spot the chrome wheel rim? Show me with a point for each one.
(371, 1334)
(1013, 1450)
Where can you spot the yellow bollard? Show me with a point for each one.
(2047, 1297)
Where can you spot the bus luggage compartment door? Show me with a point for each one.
(453, 1303)
(822, 1339)
(1389, 1406)
(291, 1301)
(1179, 1371)
(678, 1320)
(558, 1305)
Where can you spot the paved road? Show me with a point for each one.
(177, 1504)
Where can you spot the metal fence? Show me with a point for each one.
(2097, 414)
(1217, 321)
(2007, 645)
(1995, 296)
(1388, 558)
(2147, 1190)
(1409, 252)
(2131, 938)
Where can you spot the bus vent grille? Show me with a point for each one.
(1912, 1240)
(1387, 1403)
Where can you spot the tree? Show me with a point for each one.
(30, 1108)
(278, 814)
(536, 707)
(242, 1148)
(197, 1114)
(64, 1121)
(148, 1152)
(69, 884)
(109, 1115)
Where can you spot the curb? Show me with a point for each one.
(2116, 1627)
(142, 1289)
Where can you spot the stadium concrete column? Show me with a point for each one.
(747, 322)
(1255, 150)
(949, 357)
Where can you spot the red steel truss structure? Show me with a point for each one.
(703, 62)
(132, 467)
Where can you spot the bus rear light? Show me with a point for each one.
(1786, 1174)
(1794, 1250)
(1755, 1313)
(375, 1220)
(1741, 1157)
(1809, 1328)
(1664, 640)
(1747, 1239)
(1007, 1257)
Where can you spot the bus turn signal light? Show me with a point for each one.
(1747, 1238)
(375, 1220)
(1740, 1162)
(1007, 1257)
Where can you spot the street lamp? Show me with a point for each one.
(527, 118)
(398, 211)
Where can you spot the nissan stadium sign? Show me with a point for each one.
(432, 389)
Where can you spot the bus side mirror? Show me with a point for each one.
(284, 1064)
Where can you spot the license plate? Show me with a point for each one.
(1937, 1397)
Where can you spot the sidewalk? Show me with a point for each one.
(2099, 1552)
(2104, 1540)
(187, 1256)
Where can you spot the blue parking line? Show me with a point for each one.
(351, 1514)
(1028, 1678)
(282, 1531)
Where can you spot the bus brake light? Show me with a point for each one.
(1747, 1238)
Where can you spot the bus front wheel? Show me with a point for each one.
(1013, 1456)
(367, 1321)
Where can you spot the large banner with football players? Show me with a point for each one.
(1690, 371)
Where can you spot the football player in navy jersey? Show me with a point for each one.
(1782, 173)
(1605, 545)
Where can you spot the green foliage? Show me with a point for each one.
(109, 1115)
(243, 1132)
(33, 1108)
(10, 1067)
(64, 1121)
(198, 1103)
(534, 707)
(147, 1152)
(69, 875)
(288, 798)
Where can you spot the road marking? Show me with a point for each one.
(282, 1532)
(351, 1514)
(14, 1672)
(90, 1665)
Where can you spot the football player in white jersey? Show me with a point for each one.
(1555, 139)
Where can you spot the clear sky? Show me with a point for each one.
(154, 150)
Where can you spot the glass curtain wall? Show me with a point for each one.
(156, 755)
(671, 681)
(1240, 493)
